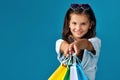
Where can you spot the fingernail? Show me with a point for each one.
(67, 55)
(70, 50)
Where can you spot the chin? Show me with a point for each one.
(78, 37)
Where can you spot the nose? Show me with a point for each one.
(78, 27)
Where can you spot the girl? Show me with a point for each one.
(79, 36)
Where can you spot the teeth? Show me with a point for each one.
(78, 32)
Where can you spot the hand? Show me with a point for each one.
(76, 47)
(64, 48)
(79, 45)
(83, 44)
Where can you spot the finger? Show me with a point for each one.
(75, 49)
(66, 53)
(71, 48)
(70, 51)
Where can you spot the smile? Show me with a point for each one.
(78, 32)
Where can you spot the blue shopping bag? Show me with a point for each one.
(79, 72)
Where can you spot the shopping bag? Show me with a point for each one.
(67, 76)
(76, 70)
(73, 73)
(70, 69)
(80, 72)
(59, 73)
(62, 73)
(68, 63)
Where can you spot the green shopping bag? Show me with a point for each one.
(67, 76)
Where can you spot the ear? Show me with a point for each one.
(90, 25)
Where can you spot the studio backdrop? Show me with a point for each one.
(30, 28)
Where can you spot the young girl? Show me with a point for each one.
(79, 36)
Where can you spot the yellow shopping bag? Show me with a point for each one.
(59, 73)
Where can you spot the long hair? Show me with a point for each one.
(66, 34)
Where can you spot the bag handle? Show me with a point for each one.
(72, 59)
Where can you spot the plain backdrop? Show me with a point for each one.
(30, 28)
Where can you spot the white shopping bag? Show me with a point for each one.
(73, 73)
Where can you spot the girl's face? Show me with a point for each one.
(79, 25)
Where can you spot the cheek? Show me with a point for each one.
(71, 27)
(86, 29)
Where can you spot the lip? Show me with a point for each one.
(78, 32)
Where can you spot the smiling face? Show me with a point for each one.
(79, 25)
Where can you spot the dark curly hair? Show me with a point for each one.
(81, 9)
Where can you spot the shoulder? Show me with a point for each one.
(59, 41)
(95, 39)
(96, 42)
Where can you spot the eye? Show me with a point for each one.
(74, 23)
(83, 23)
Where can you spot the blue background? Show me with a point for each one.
(29, 29)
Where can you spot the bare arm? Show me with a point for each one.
(83, 44)
(76, 46)
(64, 48)
(91, 48)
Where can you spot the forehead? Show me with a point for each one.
(78, 17)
